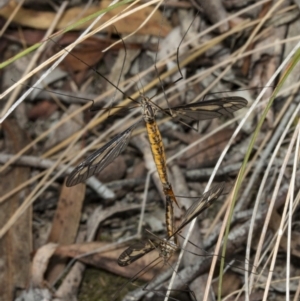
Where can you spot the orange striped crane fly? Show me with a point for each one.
(202, 110)
(169, 245)
(197, 111)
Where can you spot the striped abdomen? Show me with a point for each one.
(158, 151)
(170, 223)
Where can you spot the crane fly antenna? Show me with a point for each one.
(122, 68)
(97, 72)
(178, 48)
(156, 70)
(177, 62)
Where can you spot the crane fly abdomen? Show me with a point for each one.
(158, 151)
(170, 222)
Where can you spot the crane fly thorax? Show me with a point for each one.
(148, 110)
(167, 248)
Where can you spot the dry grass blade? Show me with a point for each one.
(212, 60)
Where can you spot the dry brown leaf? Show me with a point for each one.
(43, 20)
(40, 264)
(16, 245)
(87, 54)
(90, 51)
(256, 296)
(67, 216)
(207, 153)
(65, 223)
(108, 260)
(231, 282)
(114, 171)
(74, 250)
(42, 109)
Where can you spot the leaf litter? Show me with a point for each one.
(75, 235)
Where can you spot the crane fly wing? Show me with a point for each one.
(100, 158)
(200, 205)
(197, 111)
(134, 252)
(209, 109)
(138, 250)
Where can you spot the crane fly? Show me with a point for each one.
(102, 157)
(169, 245)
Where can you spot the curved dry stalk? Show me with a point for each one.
(100, 119)
(267, 171)
(133, 96)
(221, 158)
(280, 230)
(271, 137)
(264, 180)
(61, 55)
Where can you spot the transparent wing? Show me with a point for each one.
(209, 109)
(134, 252)
(138, 250)
(100, 158)
(200, 205)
